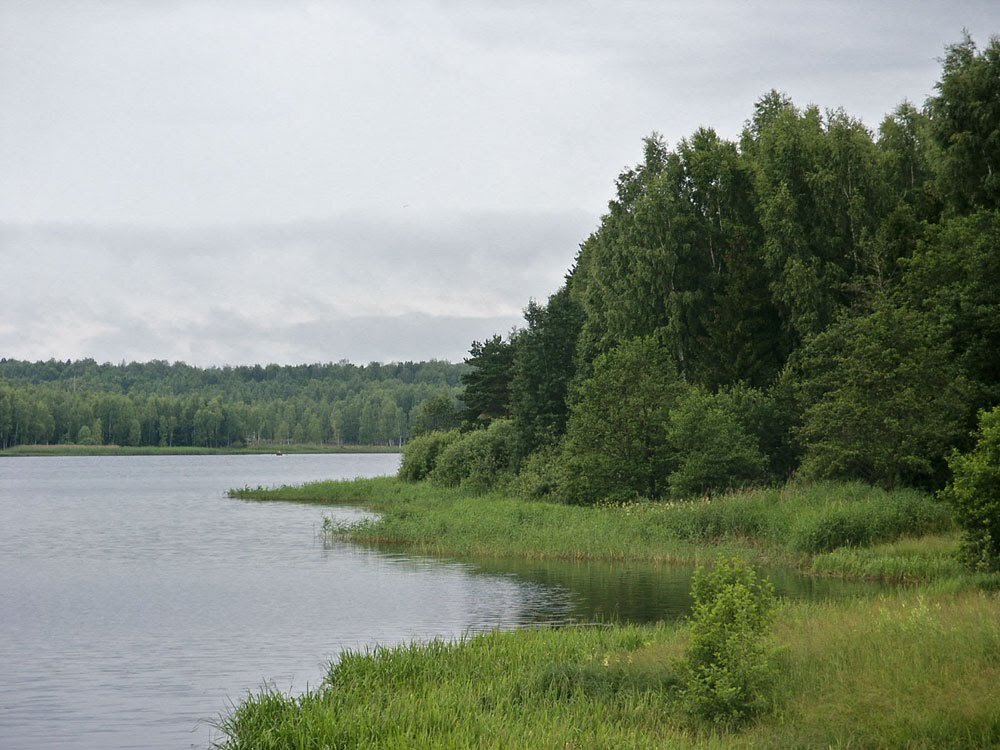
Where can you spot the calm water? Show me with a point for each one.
(137, 601)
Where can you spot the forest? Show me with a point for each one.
(811, 300)
(162, 404)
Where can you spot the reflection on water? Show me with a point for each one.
(139, 601)
(643, 593)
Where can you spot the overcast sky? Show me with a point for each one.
(283, 181)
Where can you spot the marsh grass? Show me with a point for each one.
(795, 525)
(909, 669)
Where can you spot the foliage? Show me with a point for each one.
(544, 365)
(730, 669)
(882, 400)
(616, 442)
(951, 278)
(478, 460)
(975, 495)
(487, 383)
(168, 405)
(421, 454)
(540, 475)
(438, 413)
(712, 451)
(965, 122)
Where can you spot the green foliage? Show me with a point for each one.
(882, 400)
(159, 404)
(420, 455)
(544, 365)
(975, 495)
(478, 460)
(487, 383)
(951, 279)
(437, 414)
(540, 475)
(965, 120)
(616, 443)
(712, 451)
(730, 672)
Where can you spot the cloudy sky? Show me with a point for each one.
(239, 181)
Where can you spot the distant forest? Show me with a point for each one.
(810, 299)
(162, 404)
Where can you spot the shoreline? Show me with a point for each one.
(913, 667)
(187, 450)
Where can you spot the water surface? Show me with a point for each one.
(138, 601)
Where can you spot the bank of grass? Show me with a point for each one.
(916, 667)
(847, 529)
(909, 669)
(185, 450)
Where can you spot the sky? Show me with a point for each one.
(256, 181)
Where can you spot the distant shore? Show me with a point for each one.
(186, 450)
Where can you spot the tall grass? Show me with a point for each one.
(789, 525)
(906, 670)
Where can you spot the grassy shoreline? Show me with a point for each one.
(185, 450)
(834, 529)
(915, 667)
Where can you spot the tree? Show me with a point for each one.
(712, 450)
(952, 279)
(544, 365)
(882, 400)
(438, 413)
(965, 123)
(974, 493)
(487, 384)
(616, 442)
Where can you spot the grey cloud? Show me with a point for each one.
(351, 288)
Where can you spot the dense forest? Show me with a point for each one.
(812, 299)
(162, 404)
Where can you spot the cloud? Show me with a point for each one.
(350, 288)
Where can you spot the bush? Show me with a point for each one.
(712, 451)
(975, 495)
(421, 454)
(478, 460)
(729, 674)
(540, 475)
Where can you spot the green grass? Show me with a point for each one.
(814, 527)
(916, 667)
(184, 450)
(905, 670)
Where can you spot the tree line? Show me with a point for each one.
(810, 299)
(162, 404)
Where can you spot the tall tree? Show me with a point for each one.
(487, 384)
(965, 122)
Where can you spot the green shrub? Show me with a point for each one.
(421, 454)
(729, 675)
(713, 452)
(539, 477)
(478, 460)
(975, 495)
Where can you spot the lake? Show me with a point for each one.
(139, 602)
